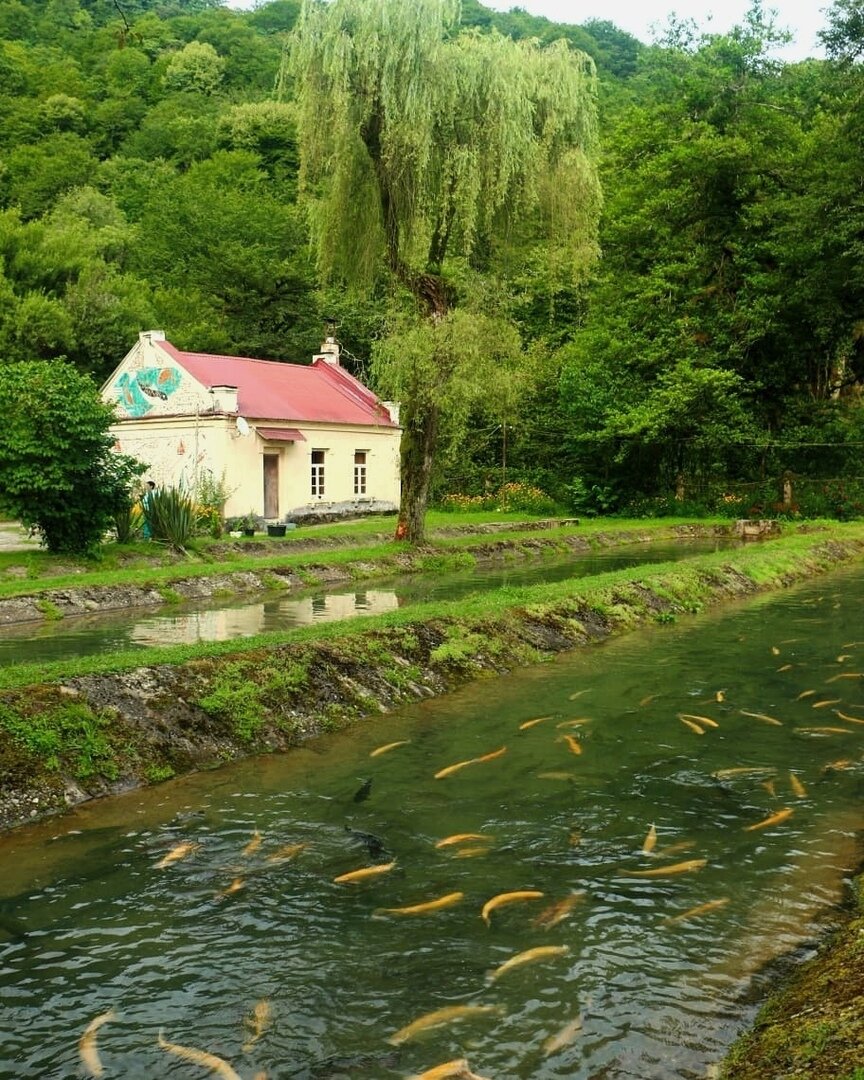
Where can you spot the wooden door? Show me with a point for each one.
(271, 486)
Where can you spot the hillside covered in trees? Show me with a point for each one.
(710, 338)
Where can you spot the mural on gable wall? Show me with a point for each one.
(137, 392)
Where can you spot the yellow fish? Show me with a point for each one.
(387, 747)
(770, 788)
(450, 1070)
(450, 769)
(529, 956)
(843, 657)
(577, 722)
(461, 837)
(199, 1057)
(805, 693)
(236, 885)
(531, 723)
(785, 667)
(286, 852)
(579, 693)
(558, 911)
(763, 717)
(469, 852)
(822, 730)
(775, 650)
(257, 1023)
(744, 770)
(798, 788)
(650, 841)
(700, 909)
(704, 720)
(422, 909)
(179, 851)
(676, 848)
(693, 727)
(839, 765)
(87, 1044)
(675, 868)
(774, 819)
(562, 1038)
(845, 675)
(362, 874)
(848, 719)
(647, 700)
(507, 898)
(719, 697)
(824, 704)
(574, 744)
(442, 1016)
(555, 775)
(253, 844)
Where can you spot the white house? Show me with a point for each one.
(288, 440)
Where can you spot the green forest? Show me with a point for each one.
(656, 305)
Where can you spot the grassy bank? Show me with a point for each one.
(812, 1028)
(24, 573)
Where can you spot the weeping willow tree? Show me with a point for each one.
(430, 157)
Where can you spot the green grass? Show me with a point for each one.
(680, 582)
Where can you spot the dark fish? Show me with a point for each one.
(12, 927)
(373, 844)
(364, 791)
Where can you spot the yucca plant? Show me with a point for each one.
(128, 523)
(170, 516)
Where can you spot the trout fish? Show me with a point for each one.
(558, 911)
(459, 838)
(423, 909)
(650, 841)
(450, 769)
(442, 1016)
(450, 1070)
(822, 731)
(363, 873)
(744, 770)
(529, 956)
(825, 703)
(574, 744)
(253, 844)
(199, 1057)
(798, 788)
(848, 719)
(694, 727)
(470, 852)
(532, 723)
(507, 898)
(289, 851)
(763, 717)
(562, 1038)
(774, 819)
(703, 721)
(179, 851)
(387, 747)
(257, 1023)
(676, 868)
(700, 909)
(87, 1050)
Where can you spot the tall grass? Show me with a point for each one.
(170, 516)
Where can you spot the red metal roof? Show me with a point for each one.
(281, 434)
(271, 390)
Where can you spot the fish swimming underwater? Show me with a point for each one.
(179, 851)
(287, 851)
(798, 788)
(763, 717)
(450, 769)
(257, 1023)
(774, 819)
(364, 873)
(507, 898)
(526, 724)
(700, 909)
(87, 1051)
(563, 1037)
(460, 838)
(364, 791)
(373, 844)
(676, 868)
(529, 956)
(387, 747)
(253, 844)
(558, 911)
(438, 1017)
(450, 1070)
(423, 909)
(702, 721)
(650, 841)
(199, 1057)
(574, 744)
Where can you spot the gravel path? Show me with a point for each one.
(14, 538)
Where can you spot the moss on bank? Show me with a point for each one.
(813, 1027)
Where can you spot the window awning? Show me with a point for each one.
(281, 434)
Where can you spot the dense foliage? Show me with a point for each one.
(149, 176)
(60, 474)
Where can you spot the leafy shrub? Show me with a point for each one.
(210, 498)
(526, 498)
(464, 504)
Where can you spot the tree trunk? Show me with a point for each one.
(419, 438)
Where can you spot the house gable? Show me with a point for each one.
(152, 382)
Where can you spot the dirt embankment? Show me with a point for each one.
(48, 604)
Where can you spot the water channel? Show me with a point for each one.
(737, 735)
(188, 623)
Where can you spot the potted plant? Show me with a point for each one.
(248, 523)
(275, 528)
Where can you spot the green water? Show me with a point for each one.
(658, 999)
(188, 623)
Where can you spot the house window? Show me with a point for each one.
(317, 474)
(359, 472)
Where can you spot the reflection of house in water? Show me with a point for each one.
(223, 624)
